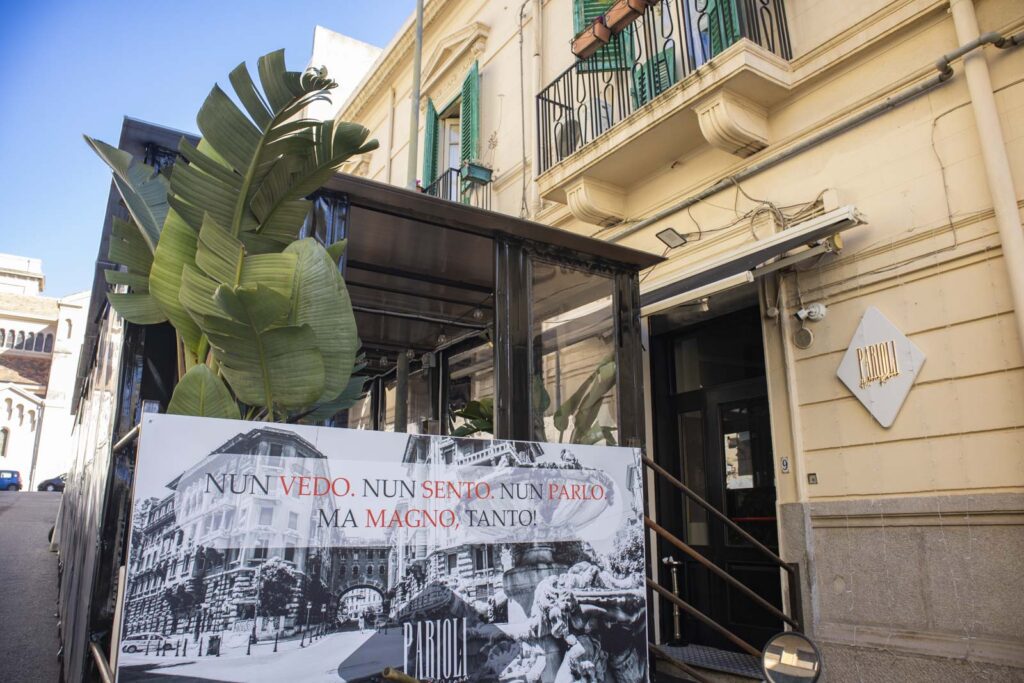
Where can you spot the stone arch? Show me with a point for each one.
(375, 586)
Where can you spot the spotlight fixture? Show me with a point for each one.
(442, 339)
(478, 314)
(672, 238)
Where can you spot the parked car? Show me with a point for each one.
(54, 484)
(10, 480)
(143, 642)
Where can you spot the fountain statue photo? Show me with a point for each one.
(265, 552)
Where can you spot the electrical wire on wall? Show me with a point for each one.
(782, 215)
(952, 218)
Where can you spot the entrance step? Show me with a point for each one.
(722, 666)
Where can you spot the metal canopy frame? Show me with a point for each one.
(415, 264)
(422, 268)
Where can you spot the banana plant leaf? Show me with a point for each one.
(570, 406)
(321, 301)
(254, 168)
(202, 394)
(603, 379)
(267, 363)
(129, 248)
(479, 416)
(354, 390)
(176, 249)
(213, 248)
(143, 190)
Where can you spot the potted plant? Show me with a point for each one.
(473, 171)
(263, 320)
(590, 39)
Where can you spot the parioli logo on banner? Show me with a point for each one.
(269, 552)
(880, 366)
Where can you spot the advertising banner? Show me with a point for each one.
(270, 552)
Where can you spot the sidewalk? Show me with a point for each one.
(28, 650)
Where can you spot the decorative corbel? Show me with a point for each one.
(596, 202)
(733, 123)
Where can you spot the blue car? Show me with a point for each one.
(10, 480)
(55, 484)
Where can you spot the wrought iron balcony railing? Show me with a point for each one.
(451, 186)
(671, 40)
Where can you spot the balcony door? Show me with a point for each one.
(451, 155)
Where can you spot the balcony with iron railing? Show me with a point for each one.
(454, 186)
(652, 94)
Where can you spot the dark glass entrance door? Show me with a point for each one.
(713, 431)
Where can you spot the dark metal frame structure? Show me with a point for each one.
(419, 270)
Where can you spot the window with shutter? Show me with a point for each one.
(469, 114)
(617, 54)
(430, 145)
(723, 24)
(653, 77)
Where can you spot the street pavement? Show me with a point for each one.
(336, 658)
(28, 570)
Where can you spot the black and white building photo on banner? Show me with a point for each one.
(270, 552)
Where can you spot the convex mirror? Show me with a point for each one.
(791, 657)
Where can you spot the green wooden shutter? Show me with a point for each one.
(469, 114)
(723, 25)
(653, 77)
(430, 145)
(617, 54)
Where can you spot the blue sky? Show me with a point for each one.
(70, 67)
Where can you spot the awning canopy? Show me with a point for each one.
(420, 268)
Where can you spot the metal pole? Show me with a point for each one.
(402, 393)
(414, 101)
(993, 152)
(674, 564)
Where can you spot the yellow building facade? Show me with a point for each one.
(712, 131)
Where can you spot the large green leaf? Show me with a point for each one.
(254, 167)
(320, 300)
(278, 203)
(570, 405)
(266, 362)
(202, 394)
(140, 309)
(354, 390)
(128, 247)
(603, 379)
(143, 190)
(176, 250)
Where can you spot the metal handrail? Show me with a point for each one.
(131, 436)
(794, 619)
(782, 564)
(450, 186)
(719, 572)
(706, 620)
(102, 664)
(443, 184)
(668, 43)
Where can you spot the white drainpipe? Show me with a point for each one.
(538, 74)
(993, 152)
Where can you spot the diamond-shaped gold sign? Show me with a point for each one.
(880, 366)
